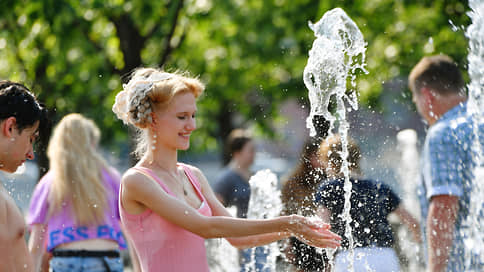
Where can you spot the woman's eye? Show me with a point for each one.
(181, 117)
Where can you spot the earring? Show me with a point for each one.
(153, 142)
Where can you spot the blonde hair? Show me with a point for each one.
(77, 169)
(150, 89)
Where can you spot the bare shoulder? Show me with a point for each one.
(133, 179)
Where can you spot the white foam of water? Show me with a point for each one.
(408, 172)
(265, 202)
(337, 53)
(474, 230)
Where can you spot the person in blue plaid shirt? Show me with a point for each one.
(448, 161)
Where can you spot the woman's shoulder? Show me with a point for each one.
(45, 181)
(195, 170)
(133, 174)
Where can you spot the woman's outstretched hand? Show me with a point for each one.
(313, 232)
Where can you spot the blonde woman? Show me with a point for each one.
(74, 208)
(168, 207)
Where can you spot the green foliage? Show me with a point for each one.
(250, 53)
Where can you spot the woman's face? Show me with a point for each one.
(175, 123)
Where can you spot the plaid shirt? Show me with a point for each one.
(448, 161)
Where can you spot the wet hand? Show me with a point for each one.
(313, 232)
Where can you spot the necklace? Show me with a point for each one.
(176, 177)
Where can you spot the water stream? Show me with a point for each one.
(474, 225)
(337, 53)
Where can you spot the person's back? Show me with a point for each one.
(21, 117)
(449, 159)
(454, 137)
(371, 203)
(74, 208)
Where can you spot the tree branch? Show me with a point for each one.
(167, 49)
(131, 42)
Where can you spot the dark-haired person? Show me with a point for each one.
(21, 118)
(447, 173)
(232, 189)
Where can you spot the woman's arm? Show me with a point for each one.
(36, 244)
(219, 210)
(140, 189)
(410, 221)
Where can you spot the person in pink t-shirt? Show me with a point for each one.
(74, 208)
(167, 207)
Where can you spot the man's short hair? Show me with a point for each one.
(439, 73)
(17, 101)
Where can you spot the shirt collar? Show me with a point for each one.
(457, 110)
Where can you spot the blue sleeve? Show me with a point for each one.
(446, 159)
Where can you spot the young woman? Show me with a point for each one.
(371, 203)
(297, 195)
(167, 207)
(74, 208)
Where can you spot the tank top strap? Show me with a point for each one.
(149, 173)
(193, 180)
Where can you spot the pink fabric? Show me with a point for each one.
(161, 245)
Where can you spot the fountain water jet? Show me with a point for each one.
(338, 52)
(265, 202)
(408, 172)
(474, 231)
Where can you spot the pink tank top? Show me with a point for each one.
(161, 245)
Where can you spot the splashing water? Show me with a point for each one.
(408, 172)
(265, 202)
(475, 227)
(338, 51)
